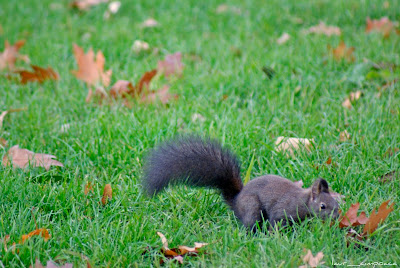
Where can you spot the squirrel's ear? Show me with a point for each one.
(319, 186)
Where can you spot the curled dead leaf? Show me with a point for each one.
(107, 194)
(23, 158)
(43, 232)
(39, 74)
(290, 145)
(351, 218)
(377, 217)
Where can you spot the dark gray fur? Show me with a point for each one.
(205, 163)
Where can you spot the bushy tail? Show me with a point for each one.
(196, 162)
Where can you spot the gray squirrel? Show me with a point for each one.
(205, 163)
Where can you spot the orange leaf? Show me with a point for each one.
(144, 82)
(107, 194)
(39, 74)
(172, 65)
(90, 70)
(121, 88)
(42, 232)
(351, 219)
(10, 54)
(383, 25)
(23, 158)
(376, 218)
(342, 52)
(88, 188)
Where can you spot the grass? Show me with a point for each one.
(241, 106)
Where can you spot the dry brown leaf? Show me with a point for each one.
(90, 70)
(3, 142)
(383, 25)
(38, 232)
(149, 23)
(351, 218)
(39, 74)
(139, 46)
(23, 158)
(342, 52)
(121, 88)
(50, 264)
(353, 96)
(376, 218)
(322, 28)
(283, 38)
(312, 261)
(86, 4)
(161, 95)
(290, 145)
(10, 55)
(171, 65)
(144, 82)
(347, 104)
(107, 194)
(344, 136)
(88, 188)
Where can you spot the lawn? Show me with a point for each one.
(223, 93)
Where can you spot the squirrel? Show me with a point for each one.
(205, 163)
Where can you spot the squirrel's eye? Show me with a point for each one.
(323, 206)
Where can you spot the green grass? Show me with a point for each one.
(106, 144)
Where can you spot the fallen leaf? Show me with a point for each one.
(353, 96)
(121, 88)
(50, 264)
(312, 261)
(383, 25)
(23, 158)
(90, 70)
(139, 46)
(172, 65)
(144, 82)
(342, 52)
(3, 142)
(150, 23)
(224, 8)
(289, 145)
(344, 136)
(86, 4)
(39, 74)
(389, 176)
(10, 55)
(38, 232)
(322, 28)
(376, 218)
(161, 95)
(351, 218)
(107, 194)
(88, 188)
(283, 38)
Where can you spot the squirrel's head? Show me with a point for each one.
(321, 202)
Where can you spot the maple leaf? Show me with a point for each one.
(162, 95)
(312, 261)
(172, 65)
(39, 74)
(290, 145)
(107, 194)
(10, 55)
(86, 4)
(90, 70)
(351, 218)
(322, 28)
(383, 25)
(50, 264)
(342, 52)
(377, 217)
(43, 232)
(22, 158)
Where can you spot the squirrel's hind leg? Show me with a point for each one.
(249, 211)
